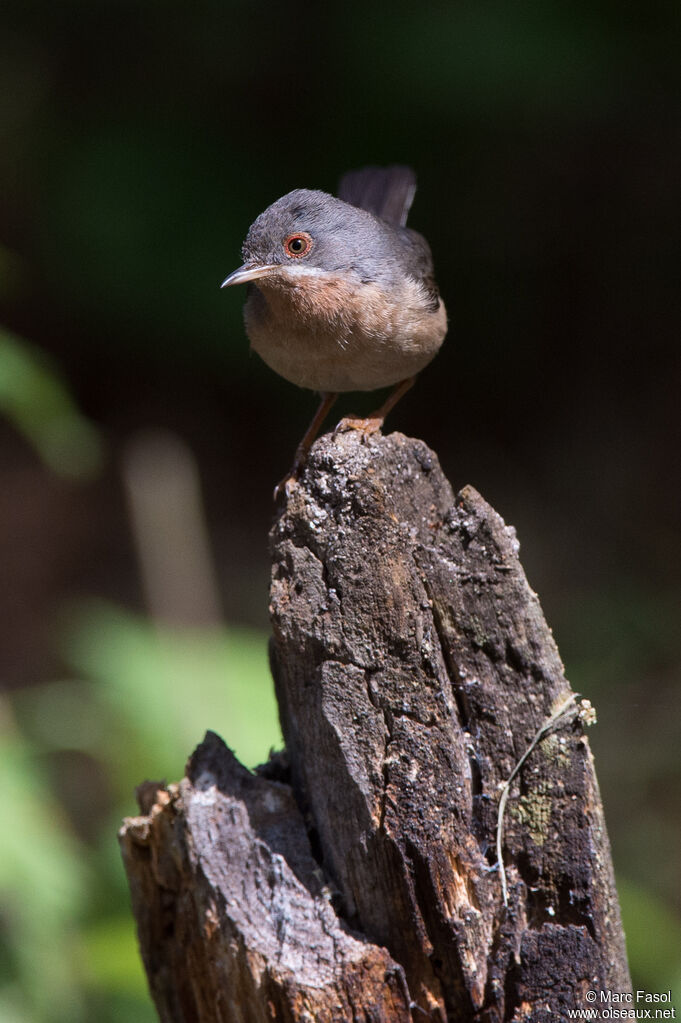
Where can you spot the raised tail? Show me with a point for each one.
(387, 192)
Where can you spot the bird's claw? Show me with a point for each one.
(287, 484)
(365, 425)
(290, 480)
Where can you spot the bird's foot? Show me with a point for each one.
(365, 425)
(286, 485)
(290, 480)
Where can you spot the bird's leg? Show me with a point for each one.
(374, 422)
(306, 443)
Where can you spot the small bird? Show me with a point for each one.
(342, 295)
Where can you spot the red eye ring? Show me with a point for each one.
(298, 244)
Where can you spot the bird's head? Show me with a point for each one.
(312, 233)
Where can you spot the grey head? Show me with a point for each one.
(312, 232)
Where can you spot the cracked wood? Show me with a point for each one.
(234, 918)
(413, 666)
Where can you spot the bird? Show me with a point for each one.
(342, 294)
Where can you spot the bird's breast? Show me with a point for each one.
(328, 333)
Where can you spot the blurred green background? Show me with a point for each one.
(139, 440)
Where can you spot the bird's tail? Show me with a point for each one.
(387, 192)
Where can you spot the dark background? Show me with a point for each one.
(137, 143)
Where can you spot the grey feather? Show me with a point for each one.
(387, 192)
(347, 238)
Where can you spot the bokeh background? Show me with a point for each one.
(139, 440)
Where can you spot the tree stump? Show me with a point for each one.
(356, 878)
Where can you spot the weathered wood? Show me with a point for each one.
(413, 668)
(234, 918)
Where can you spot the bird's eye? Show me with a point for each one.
(298, 245)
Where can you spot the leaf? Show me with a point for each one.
(37, 401)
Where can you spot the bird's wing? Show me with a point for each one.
(417, 261)
(387, 192)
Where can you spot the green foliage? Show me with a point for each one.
(170, 686)
(145, 699)
(35, 399)
(653, 933)
(43, 883)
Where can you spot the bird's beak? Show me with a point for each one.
(248, 272)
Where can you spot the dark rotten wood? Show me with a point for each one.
(413, 667)
(234, 917)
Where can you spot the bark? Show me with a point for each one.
(234, 917)
(413, 669)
